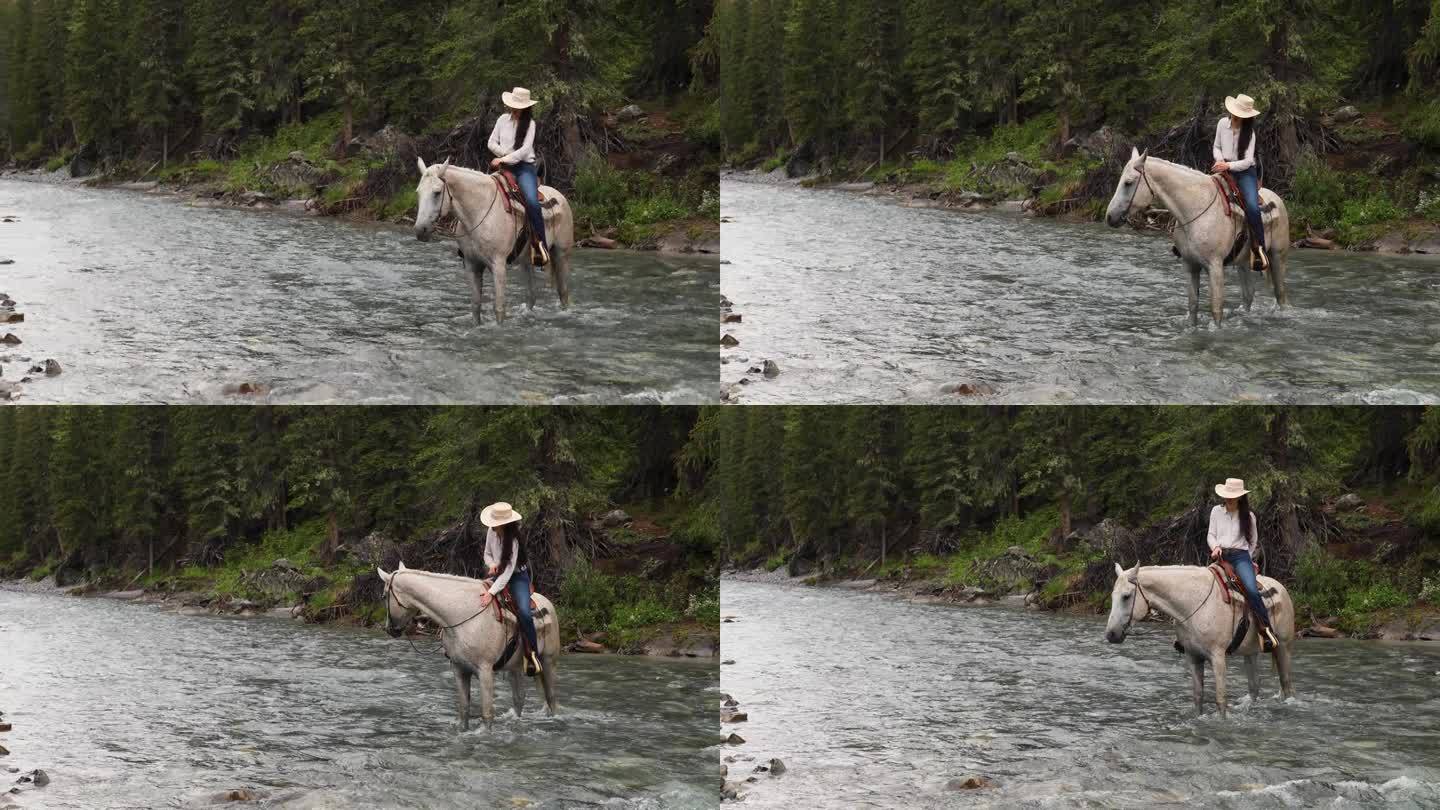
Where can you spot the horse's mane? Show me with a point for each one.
(1181, 167)
(438, 575)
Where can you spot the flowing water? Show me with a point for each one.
(872, 701)
(127, 706)
(860, 299)
(143, 299)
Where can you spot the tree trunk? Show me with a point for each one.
(1065, 522)
(882, 545)
(332, 536)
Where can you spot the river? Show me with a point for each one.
(872, 701)
(860, 299)
(126, 705)
(143, 299)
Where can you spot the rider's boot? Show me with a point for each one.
(1268, 641)
(1259, 261)
(532, 663)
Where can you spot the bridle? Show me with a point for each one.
(1140, 170)
(448, 197)
(1140, 591)
(390, 592)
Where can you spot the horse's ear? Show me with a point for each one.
(384, 577)
(402, 565)
(443, 167)
(1134, 155)
(1119, 572)
(1144, 155)
(421, 162)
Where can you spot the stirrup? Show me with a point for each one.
(1259, 261)
(532, 663)
(539, 256)
(1268, 641)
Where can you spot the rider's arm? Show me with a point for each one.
(1215, 147)
(504, 578)
(497, 148)
(526, 150)
(1246, 160)
(1210, 538)
(492, 549)
(1254, 536)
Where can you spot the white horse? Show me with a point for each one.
(1204, 235)
(473, 637)
(488, 234)
(1205, 624)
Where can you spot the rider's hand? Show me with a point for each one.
(495, 164)
(494, 569)
(1220, 166)
(1214, 553)
(485, 600)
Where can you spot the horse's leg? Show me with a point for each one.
(1217, 663)
(517, 691)
(476, 277)
(1277, 276)
(1192, 291)
(487, 693)
(462, 695)
(1282, 667)
(1252, 674)
(1217, 290)
(1247, 287)
(560, 275)
(529, 279)
(1197, 681)
(501, 270)
(547, 683)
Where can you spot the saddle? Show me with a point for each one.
(512, 195)
(505, 604)
(1231, 590)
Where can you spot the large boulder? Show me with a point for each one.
(1108, 537)
(1015, 570)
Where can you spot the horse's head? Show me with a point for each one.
(1132, 193)
(432, 201)
(398, 615)
(1127, 604)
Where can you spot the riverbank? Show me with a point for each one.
(1376, 188)
(605, 605)
(1372, 579)
(656, 192)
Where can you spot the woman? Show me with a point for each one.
(507, 562)
(512, 141)
(1233, 537)
(1234, 151)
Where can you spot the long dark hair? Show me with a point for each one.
(1242, 507)
(1247, 132)
(522, 127)
(509, 535)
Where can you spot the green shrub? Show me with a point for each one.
(705, 608)
(1318, 192)
(1360, 217)
(588, 597)
(1422, 125)
(43, 570)
(601, 191)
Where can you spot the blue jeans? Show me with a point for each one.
(1239, 559)
(519, 586)
(1249, 183)
(530, 186)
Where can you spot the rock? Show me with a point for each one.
(7, 261)
(771, 369)
(1014, 157)
(731, 317)
(4, 752)
(854, 187)
(238, 795)
(51, 368)
(1349, 502)
(1107, 537)
(245, 389)
(777, 767)
(1345, 114)
(728, 340)
(726, 303)
(729, 702)
(1320, 631)
(730, 790)
(1430, 247)
(734, 739)
(587, 646)
(4, 726)
(734, 717)
(12, 317)
(125, 595)
(615, 517)
(602, 242)
(1392, 244)
(255, 197)
(971, 783)
(1316, 243)
(630, 112)
(1102, 143)
(728, 662)
(284, 565)
(36, 777)
(299, 157)
(966, 389)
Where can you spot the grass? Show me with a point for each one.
(626, 609)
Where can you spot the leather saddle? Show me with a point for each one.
(1233, 200)
(510, 190)
(1232, 591)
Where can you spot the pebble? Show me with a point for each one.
(729, 340)
(735, 739)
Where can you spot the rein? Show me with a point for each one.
(1140, 170)
(450, 195)
(390, 592)
(1141, 591)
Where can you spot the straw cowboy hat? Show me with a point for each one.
(498, 514)
(1241, 106)
(519, 98)
(1232, 488)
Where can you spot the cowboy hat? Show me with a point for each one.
(1241, 106)
(517, 99)
(1232, 488)
(498, 514)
